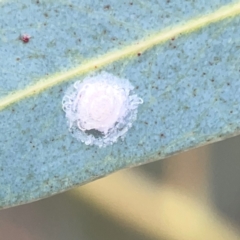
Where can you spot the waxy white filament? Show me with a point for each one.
(100, 109)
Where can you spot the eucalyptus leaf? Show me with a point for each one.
(181, 56)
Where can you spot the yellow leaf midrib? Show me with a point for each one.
(224, 12)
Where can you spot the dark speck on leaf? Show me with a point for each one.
(107, 7)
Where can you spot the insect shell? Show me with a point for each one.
(100, 109)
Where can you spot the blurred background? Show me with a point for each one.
(193, 195)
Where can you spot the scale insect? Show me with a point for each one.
(25, 38)
(100, 109)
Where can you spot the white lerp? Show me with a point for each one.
(100, 109)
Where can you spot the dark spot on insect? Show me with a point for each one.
(45, 14)
(131, 3)
(228, 84)
(139, 54)
(137, 87)
(37, 2)
(104, 31)
(231, 111)
(13, 110)
(146, 123)
(70, 5)
(45, 24)
(17, 59)
(25, 38)
(203, 74)
(107, 7)
(210, 63)
(162, 135)
(168, 1)
(174, 46)
(95, 133)
(79, 40)
(173, 39)
(113, 39)
(212, 80)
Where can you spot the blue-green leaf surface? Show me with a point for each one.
(182, 57)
